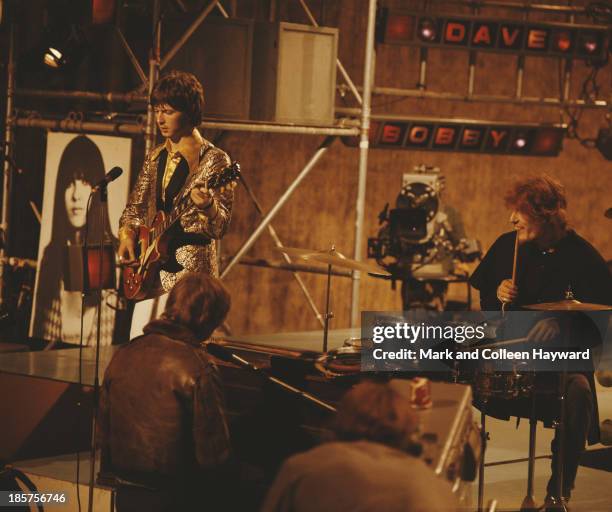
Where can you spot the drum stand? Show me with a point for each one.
(528, 504)
(560, 505)
(484, 436)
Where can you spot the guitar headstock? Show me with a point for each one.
(229, 175)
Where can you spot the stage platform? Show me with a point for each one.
(54, 375)
(63, 365)
(58, 475)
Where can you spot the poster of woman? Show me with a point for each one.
(74, 164)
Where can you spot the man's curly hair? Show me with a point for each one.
(540, 198)
(183, 92)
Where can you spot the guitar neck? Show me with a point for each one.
(170, 219)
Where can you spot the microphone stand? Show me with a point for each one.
(96, 393)
(227, 355)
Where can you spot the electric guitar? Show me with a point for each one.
(155, 242)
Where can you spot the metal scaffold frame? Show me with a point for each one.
(156, 63)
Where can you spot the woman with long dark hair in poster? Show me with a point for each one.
(57, 313)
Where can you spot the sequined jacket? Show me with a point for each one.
(142, 207)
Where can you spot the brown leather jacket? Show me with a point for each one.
(161, 409)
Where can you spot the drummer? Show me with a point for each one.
(551, 259)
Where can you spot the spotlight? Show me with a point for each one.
(428, 30)
(53, 58)
(61, 51)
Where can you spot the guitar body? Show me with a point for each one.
(152, 253)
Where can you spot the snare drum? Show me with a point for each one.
(491, 383)
(340, 362)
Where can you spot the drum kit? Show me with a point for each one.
(487, 382)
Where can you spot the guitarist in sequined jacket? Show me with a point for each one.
(182, 165)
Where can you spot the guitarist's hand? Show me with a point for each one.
(127, 253)
(203, 199)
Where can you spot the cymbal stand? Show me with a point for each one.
(484, 435)
(328, 313)
(528, 504)
(560, 505)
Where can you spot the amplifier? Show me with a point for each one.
(294, 73)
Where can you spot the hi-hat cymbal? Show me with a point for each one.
(568, 305)
(333, 258)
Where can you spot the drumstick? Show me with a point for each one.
(516, 244)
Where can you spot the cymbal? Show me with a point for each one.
(568, 305)
(333, 258)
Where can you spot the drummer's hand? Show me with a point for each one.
(127, 251)
(506, 291)
(545, 330)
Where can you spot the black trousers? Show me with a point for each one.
(579, 411)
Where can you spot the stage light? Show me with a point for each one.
(428, 30)
(399, 28)
(65, 47)
(520, 142)
(53, 58)
(589, 43)
(590, 46)
(547, 141)
(562, 41)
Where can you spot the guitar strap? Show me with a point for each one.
(161, 167)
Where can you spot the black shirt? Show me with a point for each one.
(544, 276)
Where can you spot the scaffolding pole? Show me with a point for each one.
(154, 67)
(368, 79)
(7, 152)
(487, 98)
(185, 37)
(74, 124)
(339, 131)
(282, 200)
(108, 97)
(78, 126)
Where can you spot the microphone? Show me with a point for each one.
(111, 175)
(224, 354)
(608, 213)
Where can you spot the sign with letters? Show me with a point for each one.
(467, 136)
(473, 33)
